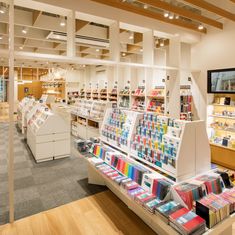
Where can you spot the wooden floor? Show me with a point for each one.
(100, 214)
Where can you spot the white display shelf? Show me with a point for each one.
(48, 135)
(221, 116)
(193, 150)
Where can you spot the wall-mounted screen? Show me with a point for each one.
(221, 81)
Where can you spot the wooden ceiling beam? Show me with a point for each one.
(84, 54)
(212, 8)
(183, 12)
(80, 24)
(36, 15)
(232, 1)
(145, 12)
(105, 51)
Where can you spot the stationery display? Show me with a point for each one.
(157, 139)
(103, 94)
(138, 96)
(82, 94)
(124, 98)
(156, 101)
(95, 95)
(187, 222)
(72, 97)
(113, 95)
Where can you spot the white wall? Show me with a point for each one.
(215, 50)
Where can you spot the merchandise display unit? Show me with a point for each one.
(138, 99)
(161, 142)
(156, 100)
(221, 129)
(56, 88)
(48, 135)
(72, 97)
(103, 94)
(113, 95)
(124, 98)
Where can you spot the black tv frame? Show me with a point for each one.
(209, 81)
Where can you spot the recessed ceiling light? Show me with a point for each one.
(162, 43)
(177, 17)
(123, 54)
(97, 50)
(166, 14)
(21, 48)
(1, 37)
(141, 50)
(200, 27)
(24, 30)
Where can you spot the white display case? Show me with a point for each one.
(48, 135)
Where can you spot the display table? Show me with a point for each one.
(152, 220)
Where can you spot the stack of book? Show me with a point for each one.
(99, 150)
(212, 182)
(166, 209)
(213, 209)
(229, 196)
(190, 192)
(187, 222)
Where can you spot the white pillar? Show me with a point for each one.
(173, 79)
(11, 113)
(114, 41)
(148, 47)
(71, 49)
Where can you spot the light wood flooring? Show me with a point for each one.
(100, 214)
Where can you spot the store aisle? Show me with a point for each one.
(100, 214)
(42, 186)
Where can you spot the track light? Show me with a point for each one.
(24, 30)
(62, 22)
(166, 14)
(200, 27)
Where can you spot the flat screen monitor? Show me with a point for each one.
(221, 81)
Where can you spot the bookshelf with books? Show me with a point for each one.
(186, 103)
(48, 135)
(221, 129)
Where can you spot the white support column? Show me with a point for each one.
(11, 113)
(71, 50)
(148, 47)
(114, 42)
(173, 79)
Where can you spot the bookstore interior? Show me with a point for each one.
(121, 104)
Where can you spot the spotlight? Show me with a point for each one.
(62, 22)
(177, 17)
(3, 9)
(171, 16)
(200, 27)
(21, 48)
(97, 50)
(123, 54)
(162, 43)
(1, 37)
(24, 30)
(146, 6)
(166, 14)
(141, 50)
(131, 36)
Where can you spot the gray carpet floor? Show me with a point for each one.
(40, 186)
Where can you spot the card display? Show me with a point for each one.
(157, 139)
